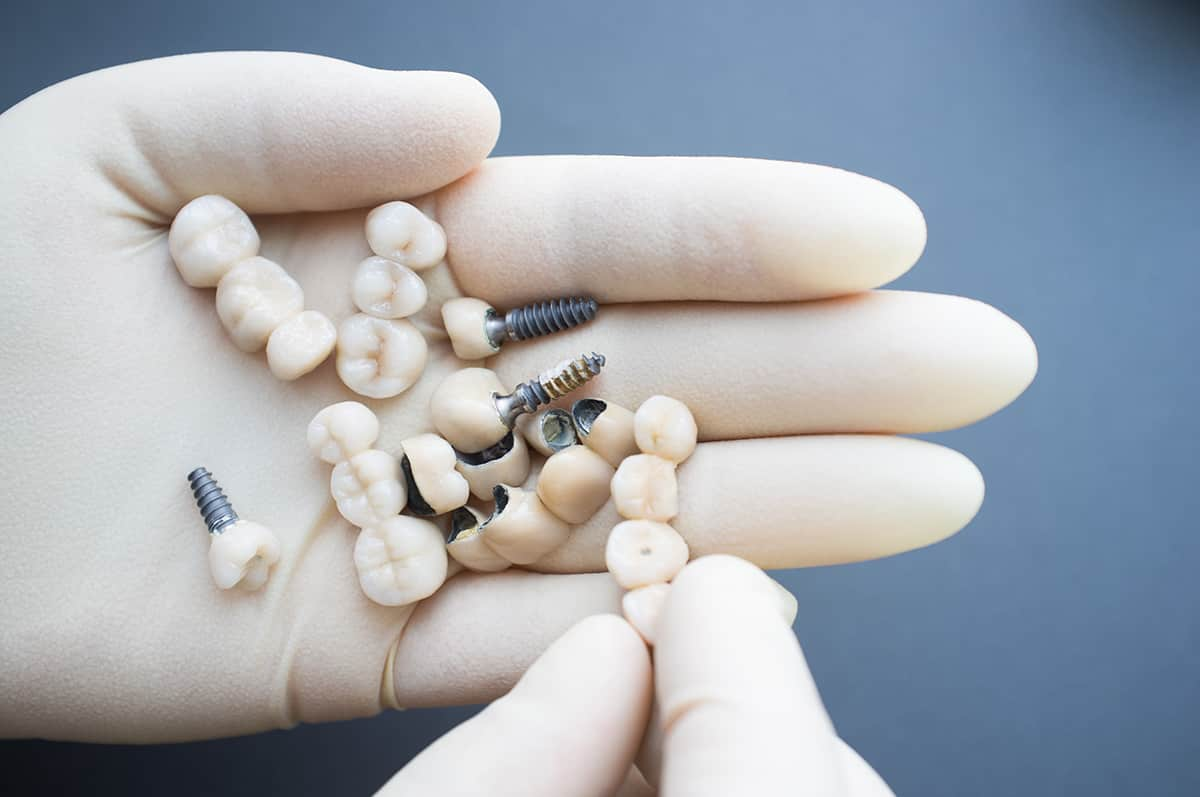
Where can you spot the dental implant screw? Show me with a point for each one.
(539, 318)
(555, 383)
(215, 508)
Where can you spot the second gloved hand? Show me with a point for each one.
(736, 713)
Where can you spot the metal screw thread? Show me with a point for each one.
(552, 384)
(541, 318)
(564, 378)
(214, 506)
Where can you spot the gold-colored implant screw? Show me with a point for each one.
(555, 383)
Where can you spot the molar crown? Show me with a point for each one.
(543, 318)
(218, 512)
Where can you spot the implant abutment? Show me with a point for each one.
(495, 328)
(517, 403)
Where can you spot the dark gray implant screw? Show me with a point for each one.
(214, 506)
(540, 318)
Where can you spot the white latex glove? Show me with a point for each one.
(119, 380)
(736, 710)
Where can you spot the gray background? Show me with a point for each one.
(1051, 647)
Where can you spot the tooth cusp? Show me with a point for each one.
(645, 487)
(379, 357)
(209, 236)
(644, 552)
(400, 561)
(242, 554)
(385, 289)
(300, 344)
(367, 488)
(342, 430)
(253, 298)
(665, 427)
(398, 231)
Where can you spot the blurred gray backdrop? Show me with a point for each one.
(1051, 647)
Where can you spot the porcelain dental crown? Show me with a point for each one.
(477, 330)
(644, 553)
(241, 552)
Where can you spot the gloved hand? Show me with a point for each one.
(720, 280)
(735, 710)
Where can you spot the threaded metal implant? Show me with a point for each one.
(540, 318)
(552, 384)
(565, 377)
(214, 506)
